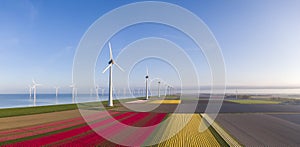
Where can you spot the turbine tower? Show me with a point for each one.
(158, 88)
(30, 91)
(56, 91)
(34, 90)
(111, 62)
(147, 76)
(73, 86)
(236, 94)
(97, 92)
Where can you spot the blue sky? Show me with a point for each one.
(260, 41)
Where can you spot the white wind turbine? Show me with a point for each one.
(158, 88)
(34, 90)
(97, 92)
(56, 91)
(73, 86)
(30, 91)
(147, 76)
(110, 64)
(102, 92)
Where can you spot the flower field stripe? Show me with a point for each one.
(62, 135)
(76, 140)
(91, 138)
(113, 129)
(42, 128)
(138, 137)
(144, 135)
(189, 135)
(102, 124)
(84, 138)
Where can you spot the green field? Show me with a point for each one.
(35, 110)
(248, 101)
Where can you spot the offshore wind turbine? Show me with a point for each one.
(111, 62)
(97, 92)
(30, 91)
(34, 90)
(102, 92)
(73, 86)
(56, 91)
(147, 77)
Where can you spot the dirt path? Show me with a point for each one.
(28, 120)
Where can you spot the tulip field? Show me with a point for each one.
(76, 132)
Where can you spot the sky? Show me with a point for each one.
(259, 39)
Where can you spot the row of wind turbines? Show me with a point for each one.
(111, 63)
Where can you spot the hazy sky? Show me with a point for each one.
(260, 41)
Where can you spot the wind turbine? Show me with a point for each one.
(158, 88)
(97, 92)
(166, 89)
(34, 90)
(147, 76)
(73, 86)
(30, 90)
(236, 94)
(102, 92)
(56, 91)
(111, 62)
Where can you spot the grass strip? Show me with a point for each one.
(217, 136)
(9, 112)
(254, 101)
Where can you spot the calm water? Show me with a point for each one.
(23, 100)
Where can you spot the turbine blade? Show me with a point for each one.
(33, 81)
(147, 72)
(119, 67)
(110, 51)
(106, 68)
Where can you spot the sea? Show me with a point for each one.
(24, 100)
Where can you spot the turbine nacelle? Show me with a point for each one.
(111, 61)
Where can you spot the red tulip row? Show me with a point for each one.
(13, 134)
(86, 136)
